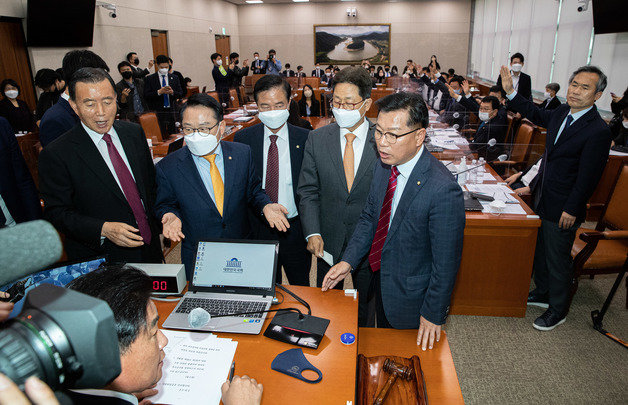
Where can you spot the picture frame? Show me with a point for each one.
(350, 44)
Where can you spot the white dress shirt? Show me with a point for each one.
(101, 145)
(204, 170)
(5, 210)
(65, 96)
(527, 178)
(402, 179)
(358, 143)
(285, 194)
(515, 80)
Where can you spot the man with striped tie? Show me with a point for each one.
(411, 228)
(205, 188)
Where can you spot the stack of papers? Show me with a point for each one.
(235, 114)
(443, 142)
(497, 191)
(242, 119)
(195, 367)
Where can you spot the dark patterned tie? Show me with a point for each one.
(375, 255)
(129, 188)
(272, 170)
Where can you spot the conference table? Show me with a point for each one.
(336, 360)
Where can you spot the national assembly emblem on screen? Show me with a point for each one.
(233, 266)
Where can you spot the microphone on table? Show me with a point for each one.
(199, 317)
(491, 142)
(27, 248)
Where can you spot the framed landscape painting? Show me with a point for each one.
(351, 44)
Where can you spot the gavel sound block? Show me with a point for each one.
(390, 380)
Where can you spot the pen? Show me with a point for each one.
(231, 371)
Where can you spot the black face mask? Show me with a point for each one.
(236, 62)
(387, 69)
(127, 74)
(136, 62)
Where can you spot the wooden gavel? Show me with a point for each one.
(396, 370)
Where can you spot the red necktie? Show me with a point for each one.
(272, 170)
(129, 188)
(375, 256)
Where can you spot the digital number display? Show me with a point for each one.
(164, 284)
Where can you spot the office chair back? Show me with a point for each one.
(150, 125)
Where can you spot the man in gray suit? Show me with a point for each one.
(335, 176)
(412, 226)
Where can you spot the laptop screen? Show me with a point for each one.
(59, 274)
(234, 264)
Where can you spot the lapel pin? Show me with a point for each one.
(298, 146)
(229, 157)
(418, 183)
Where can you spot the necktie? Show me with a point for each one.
(567, 124)
(166, 99)
(481, 125)
(129, 188)
(217, 184)
(272, 170)
(347, 160)
(375, 255)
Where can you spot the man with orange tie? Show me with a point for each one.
(335, 177)
(411, 228)
(98, 179)
(205, 188)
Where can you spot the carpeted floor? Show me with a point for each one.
(506, 361)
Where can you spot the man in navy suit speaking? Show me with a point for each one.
(205, 188)
(411, 227)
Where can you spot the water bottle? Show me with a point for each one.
(462, 177)
(481, 171)
(473, 173)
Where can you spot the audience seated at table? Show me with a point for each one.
(309, 105)
(551, 101)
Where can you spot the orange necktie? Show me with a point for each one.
(348, 160)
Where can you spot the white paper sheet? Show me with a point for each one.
(195, 367)
(497, 191)
(328, 258)
(509, 209)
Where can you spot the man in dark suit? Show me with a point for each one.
(551, 101)
(439, 97)
(277, 149)
(60, 118)
(130, 91)
(138, 72)
(327, 79)
(238, 73)
(222, 78)
(19, 199)
(412, 226)
(161, 90)
(522, 82)
(318, 72)
(205, 188)
(259, 66)
(300, 72)
(98, 179)
(335, 177)
(576, 151)
(493, 125)
(288, 72)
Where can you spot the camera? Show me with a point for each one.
(113, 14)
(583, 5)
(65, 338)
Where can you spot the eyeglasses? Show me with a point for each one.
(346, 106)
(204, 130)
(390, 137)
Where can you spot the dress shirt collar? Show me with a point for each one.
(282, 133)
(360, 132)
(65, 96)
(96, 137)
(580, 113)
(405, 169)
(132, 399)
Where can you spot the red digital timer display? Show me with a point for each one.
(164, 284)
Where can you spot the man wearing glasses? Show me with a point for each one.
(335, 177)
(411, 228)
(205, 188)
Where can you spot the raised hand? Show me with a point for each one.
(506, 80)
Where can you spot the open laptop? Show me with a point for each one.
(230, 276)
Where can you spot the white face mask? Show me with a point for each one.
(546, 95)
(275, 118)
(346, 118)
(163, 71)
(307, 93)
(327, 73)
(625, 124)
(484, 116)
(257, 57)
(200, 143)
(516, 67)
(11, 93)
(457, 91)
(219, 62)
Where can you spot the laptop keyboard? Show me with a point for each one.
(222, 307)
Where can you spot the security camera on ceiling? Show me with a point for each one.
(108, 6)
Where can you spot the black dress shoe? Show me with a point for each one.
(538, 300)
(548, 321)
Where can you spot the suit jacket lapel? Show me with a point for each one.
(189, 172)
(230, 168)
(575, 127)
(335, 154)
(367, 160)
(296, 158)
(94, 161)
(418, 177)
(257, 149)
